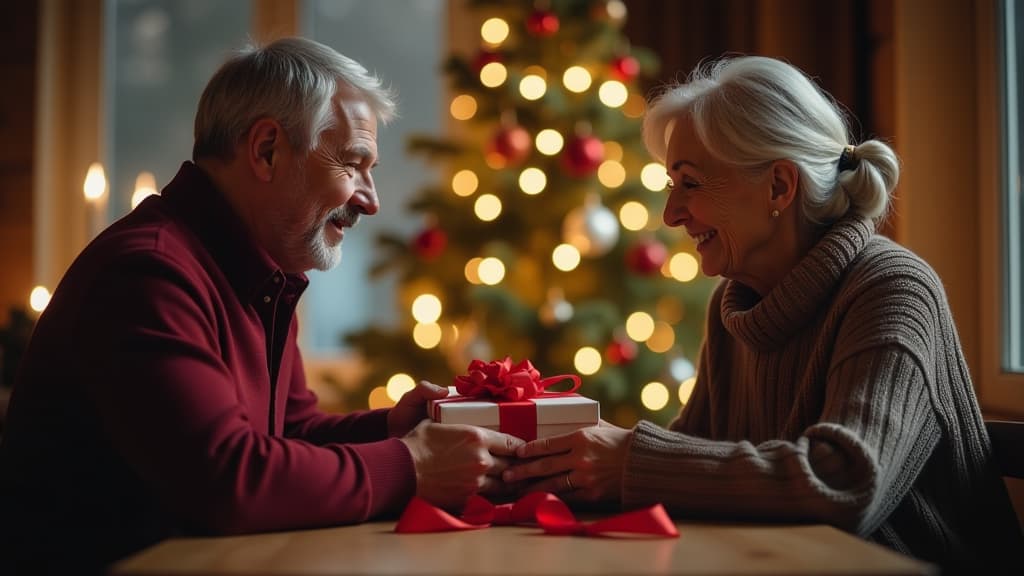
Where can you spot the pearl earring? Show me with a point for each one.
(775, 213)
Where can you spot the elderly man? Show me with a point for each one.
(163, 390)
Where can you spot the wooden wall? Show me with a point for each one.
(18, 30)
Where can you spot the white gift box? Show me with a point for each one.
(545, 415)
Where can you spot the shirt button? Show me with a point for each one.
(277, 279)
(266, 299)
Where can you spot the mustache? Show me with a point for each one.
(344, 215)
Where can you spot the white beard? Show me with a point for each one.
(314, 242)
(324, 255)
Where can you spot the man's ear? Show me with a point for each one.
(785, 179)
(262, 148)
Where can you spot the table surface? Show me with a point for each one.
(374, 548)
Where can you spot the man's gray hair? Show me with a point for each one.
(292, 80)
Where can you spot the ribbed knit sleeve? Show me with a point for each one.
(847, 470)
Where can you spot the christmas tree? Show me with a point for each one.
(545, 242)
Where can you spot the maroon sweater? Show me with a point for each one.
(163, 393)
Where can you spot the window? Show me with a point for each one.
(407, 53)
(159, 56)
(1000, 134)
(1012, 207)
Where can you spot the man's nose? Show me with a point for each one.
(365, 199)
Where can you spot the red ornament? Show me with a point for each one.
(483, 58)
(625, 68)
(512, 143)
(542, 23)
(582, 155)
(430, 243)
(620, 351)
(646, 257)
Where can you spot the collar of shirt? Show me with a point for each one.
(247, 266)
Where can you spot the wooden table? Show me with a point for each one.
(374, 548)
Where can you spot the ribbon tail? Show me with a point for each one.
(420, 516)
(652, 521)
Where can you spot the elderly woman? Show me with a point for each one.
(831, 385)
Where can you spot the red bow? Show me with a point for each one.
(543, 508)
(502, 379)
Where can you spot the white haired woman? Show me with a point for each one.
(831, 386)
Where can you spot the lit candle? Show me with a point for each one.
(95, 189)
(145, 185)
(39, 298)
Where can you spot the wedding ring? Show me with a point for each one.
(568, 482)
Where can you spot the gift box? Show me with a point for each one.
(512, 398)
(538, 417)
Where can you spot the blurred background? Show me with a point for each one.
(98, 110)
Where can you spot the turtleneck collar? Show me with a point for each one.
(766, 323)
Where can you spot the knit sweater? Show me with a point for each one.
(842, 397)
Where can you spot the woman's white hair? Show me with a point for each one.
(292, 80)
(749, 111)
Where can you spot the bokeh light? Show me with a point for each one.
(532, 181)
(565, 257)
(398, 385)
(613, 93)
(145, 186)
(493, 74)
(653, 177)
(487, 207)
(491, 271)
(576, 79)
(463, 107)
(587, 360)
(640, 326)
(426, 308)
(427, 334)
(683, 266)
(532, 87)
(95, 184)
(465, 182)
(654, 396)
(662, 338)
(379, 398)
(494, 31)
(611, 174)
(549, 142)
(38, 298)
(472, 270)
(633, 215)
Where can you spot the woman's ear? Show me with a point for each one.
(785, 179)
(262, 148)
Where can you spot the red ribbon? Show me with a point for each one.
(507, 381)
(541, 508)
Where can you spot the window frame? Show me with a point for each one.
(1000, 392)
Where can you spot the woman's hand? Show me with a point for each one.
(583, 465)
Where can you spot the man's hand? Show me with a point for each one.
(412, 408)
(455, 461)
